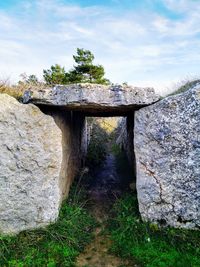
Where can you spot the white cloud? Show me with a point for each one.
(182, 5)
(144, 48)
(161, 24)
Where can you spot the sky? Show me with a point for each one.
(152, 43)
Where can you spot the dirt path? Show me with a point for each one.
(97, 254)
(102, 191)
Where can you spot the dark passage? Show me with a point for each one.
(106, 180)
(109, 182)
(109, 176)
(110, 173)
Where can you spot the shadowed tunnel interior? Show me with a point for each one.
(109, 160)
(107, 147)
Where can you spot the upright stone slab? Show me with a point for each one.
(30, 163)
(74, 145)
(167, 149)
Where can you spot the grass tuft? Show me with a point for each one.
(6, 88)
(148, 244)
(57, 245)
(17, 91)
(185, 86)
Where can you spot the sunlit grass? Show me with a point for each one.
(17, 91)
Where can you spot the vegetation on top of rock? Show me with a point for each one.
(185, 86)
(15, 91)
(28, 80)
(55, 75)
(24, 84)
(83, 72)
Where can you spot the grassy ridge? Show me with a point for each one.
(146, 243)
(57, 245)
(17, 91)
(185, 86)
(14, 91)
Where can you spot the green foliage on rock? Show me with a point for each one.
(185, 86)
(57, 245)
(55, 75)
(83, 72)
(146, 243)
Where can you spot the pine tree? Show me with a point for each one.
(84, 71)
(55, 75)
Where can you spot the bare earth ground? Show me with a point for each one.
(103, 190)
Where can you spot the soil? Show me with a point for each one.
(104, 188)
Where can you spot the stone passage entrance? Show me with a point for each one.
(108, 175)
(88, 100)
(43, 148)
(43, 145)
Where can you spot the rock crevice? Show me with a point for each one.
(166, 138)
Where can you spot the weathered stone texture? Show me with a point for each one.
(74, 145)
(93, 98)
(30, 160)
(125, 138)
(40, 156)
(167, 148)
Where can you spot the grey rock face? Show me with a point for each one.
(30, 163)
(167, 148)
(74, 145)
(125, 137)
(93, 98)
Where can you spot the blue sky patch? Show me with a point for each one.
(142, 42)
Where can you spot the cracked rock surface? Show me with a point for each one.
(30, 161)
(167, 149)
(93, 98)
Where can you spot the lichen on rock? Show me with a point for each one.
(93, 98)
(167, 149)
(30, 161)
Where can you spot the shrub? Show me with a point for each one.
(18, 90)
(6, 88)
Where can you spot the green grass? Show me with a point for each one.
(57, 245)
(146, 243)
(123, 168)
